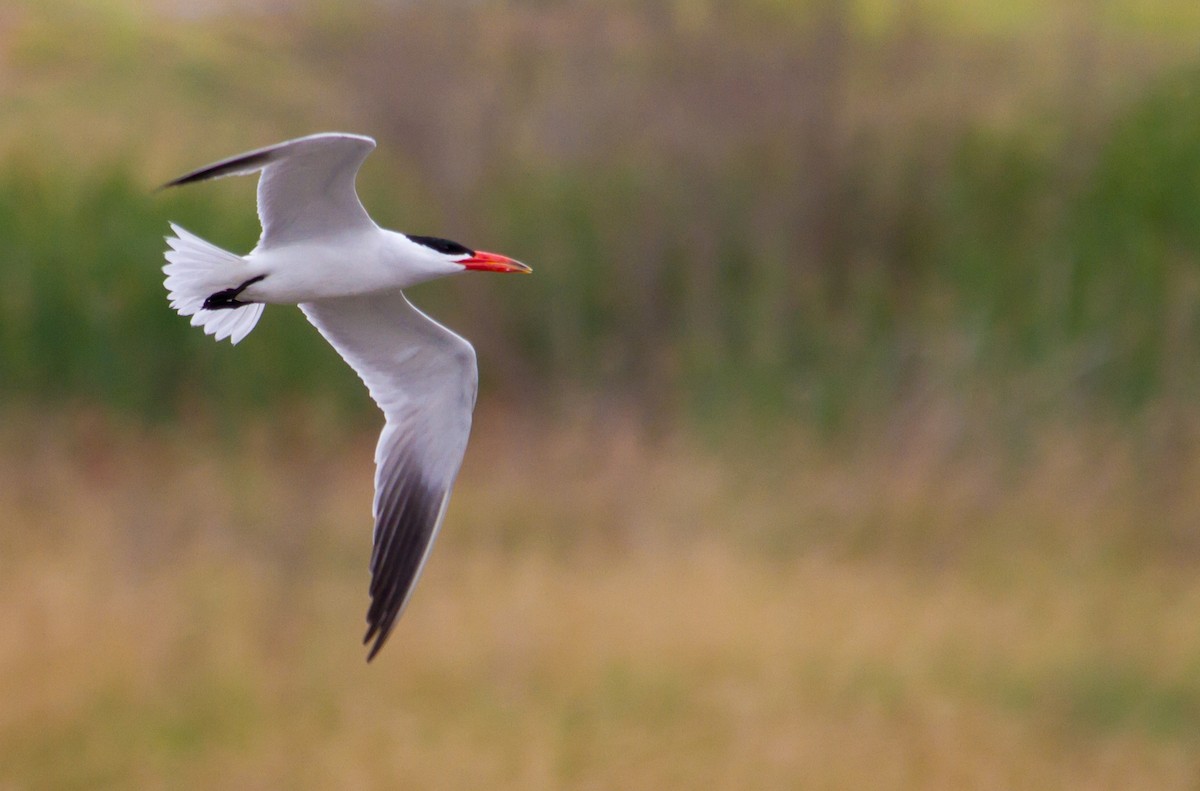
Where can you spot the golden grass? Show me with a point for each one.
(181, 610)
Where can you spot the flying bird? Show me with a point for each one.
(320, 250)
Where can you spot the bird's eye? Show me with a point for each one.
(443, 246)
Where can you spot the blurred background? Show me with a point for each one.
(846, 436)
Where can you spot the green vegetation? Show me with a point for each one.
(707, 231)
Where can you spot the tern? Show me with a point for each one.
(320, 250)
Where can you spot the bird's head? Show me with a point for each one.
(461, 258)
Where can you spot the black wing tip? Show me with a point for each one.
(380, 629)
(253, 160)
(228, 167)
(380, 639)
(407, 524)
(380, 619)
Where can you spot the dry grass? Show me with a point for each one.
(181, 610)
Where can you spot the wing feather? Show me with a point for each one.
(306, 188)
(424, 378)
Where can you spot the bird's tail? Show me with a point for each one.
(198, 272)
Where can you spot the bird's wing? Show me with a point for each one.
(424, 378)
(307, 185)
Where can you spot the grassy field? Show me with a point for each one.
(180, 609)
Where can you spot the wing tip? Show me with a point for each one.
(380, 639)
(380, 621)
(255, 160)
(412, 516)
(246, 163)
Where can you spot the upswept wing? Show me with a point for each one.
(424, 378)
(307, 185)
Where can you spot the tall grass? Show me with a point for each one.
(1014, 261)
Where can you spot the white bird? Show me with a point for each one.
(319, 249)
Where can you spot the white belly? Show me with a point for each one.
(336, 267)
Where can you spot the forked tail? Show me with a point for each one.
(203, 281)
